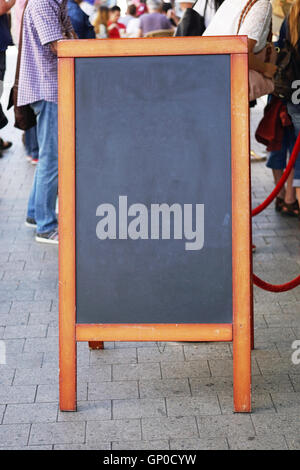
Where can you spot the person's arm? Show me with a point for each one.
(47, 20)
(171, 16)
(53, 47)
(68, 25)
(166, 23)
(257, 27)
(6, 6)
(266, 69)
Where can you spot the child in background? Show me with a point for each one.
(114, 28)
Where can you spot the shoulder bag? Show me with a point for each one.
(24, 115)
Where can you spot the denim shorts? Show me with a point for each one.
(277, 159)
(294, 112)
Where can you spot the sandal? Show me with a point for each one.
(4, 145)
(292, 210)
(257, 158)
(279, 203)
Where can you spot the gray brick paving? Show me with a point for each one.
(199, 444)
(50, 393)
(141, 445)
(89, 411)
(207, 351)
(164, 388)
(117, 430)
(36, 376)
(17, 394)
(37, 413)
(140, 395)
(194, 406)
(6, 375)
(57, 433)
(296, 382)
(14, 435)
(139, 408)
(2, 409)
(11, 319)
(225, 426)
(113, 390)
(293, 443)
(136, 371)
(94, 374)
(114, 356)
(161, 353)
(261, 403)
(168, 428)
(99, 446)
(178, 370)
(266, 442)
(279, 423)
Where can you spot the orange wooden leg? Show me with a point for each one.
(242, 367)
(67, 262)
(252, 324)
(241, 233)
(96, 345)
(67, 372)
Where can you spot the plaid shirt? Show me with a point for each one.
(45, 21)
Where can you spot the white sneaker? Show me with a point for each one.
(48, 237)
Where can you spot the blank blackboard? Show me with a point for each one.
(156, 130)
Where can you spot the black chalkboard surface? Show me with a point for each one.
(152, 131)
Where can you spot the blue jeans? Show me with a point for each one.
(31, 143)
(294, 112)
(42, 200)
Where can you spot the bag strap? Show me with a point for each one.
(205, 8)
(20, 47)
(206, 3)
(245, 12)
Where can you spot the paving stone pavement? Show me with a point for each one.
(140, 395)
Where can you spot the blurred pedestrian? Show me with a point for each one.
(5, 41)
(168, 10)
(80, 20)
(115, 29)
(285, 202)
(141, 7)
(45, 22)
(207, 9)
(154, 20)
(100, 23)
(89, 8)
(133, 26)
(17, 13)
(29, 136)
(291, 30)
(130, 14)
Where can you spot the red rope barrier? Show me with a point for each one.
(282, 180)
(279, 288)
(256, 280)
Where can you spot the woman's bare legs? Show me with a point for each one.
(287, 193)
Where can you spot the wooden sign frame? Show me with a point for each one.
(240, 331)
